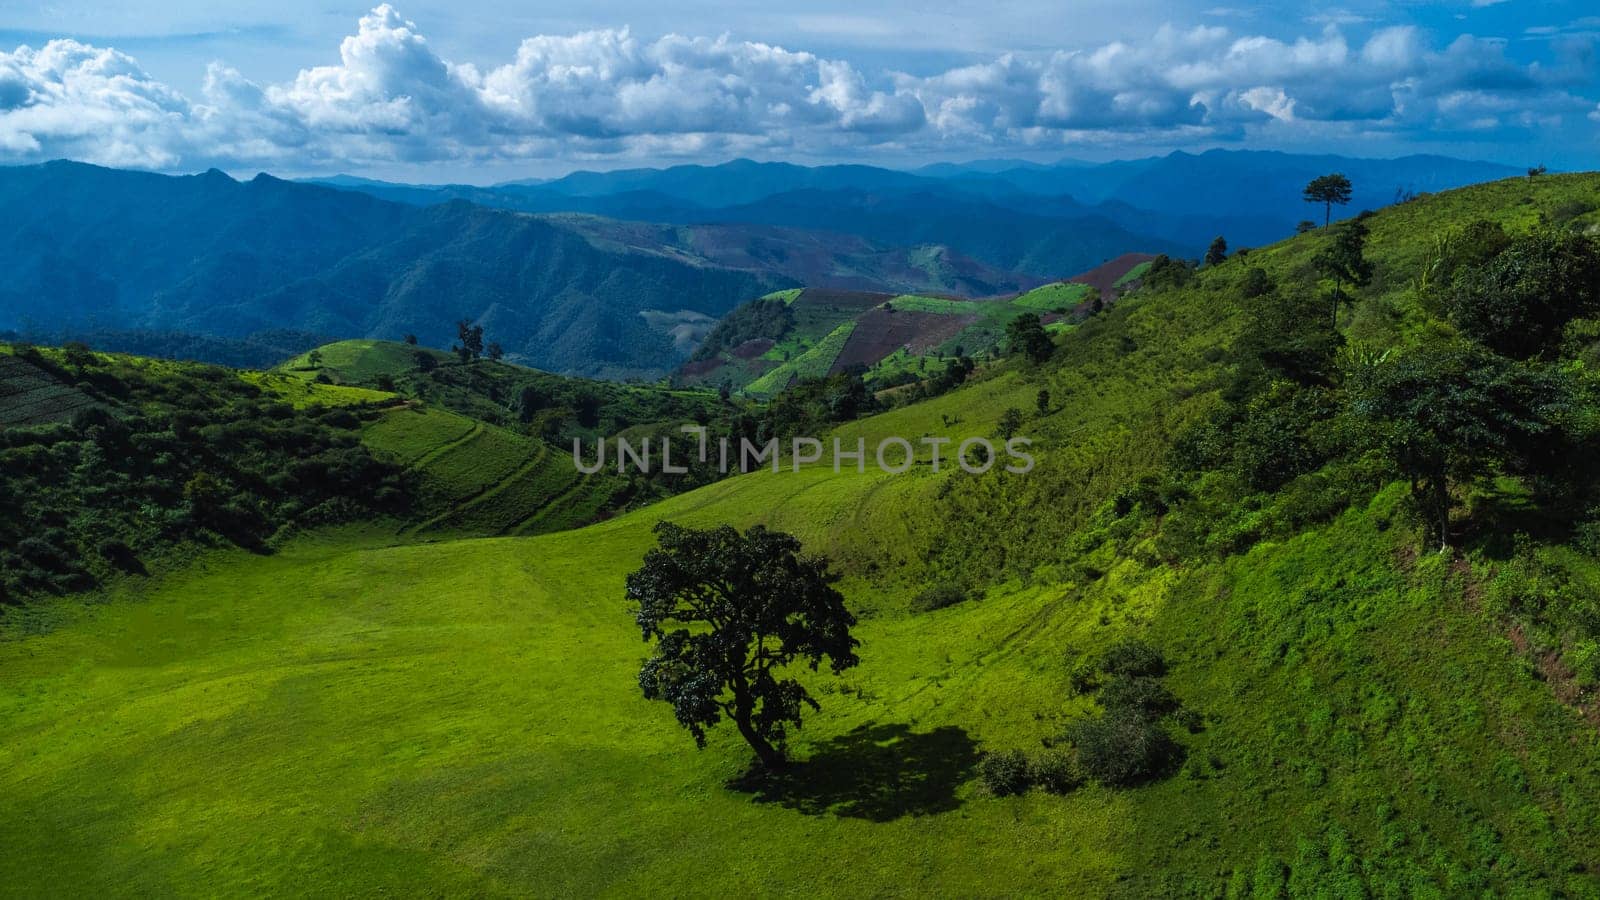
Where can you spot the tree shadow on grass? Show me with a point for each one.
(876, 772)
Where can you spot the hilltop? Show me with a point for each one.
(1353, 711)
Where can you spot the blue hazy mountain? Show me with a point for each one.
(1041, 220)
(89, 249)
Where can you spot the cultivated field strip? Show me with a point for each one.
(30, 396)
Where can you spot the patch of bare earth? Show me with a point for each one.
(879, 332)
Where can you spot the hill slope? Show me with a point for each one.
(762, 347)
(465, 716)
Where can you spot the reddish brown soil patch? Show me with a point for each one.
(701, 367)
(752, 348)
(879, 333)
(1103, 277)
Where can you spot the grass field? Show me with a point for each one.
(461, 717)
(475, 478)
(1062, 294)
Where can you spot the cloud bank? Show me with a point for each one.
(608, 93)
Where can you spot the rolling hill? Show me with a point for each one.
(95, 250)
(762, 347)
(1365, 716)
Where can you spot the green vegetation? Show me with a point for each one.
(159, 454)
(757, 605)
(555, 407)
(769, 317)
(1334, 706)
(814, 363)
(1025, 337)
(1052, 297)
(1132, 275)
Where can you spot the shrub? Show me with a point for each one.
(1132, 656)
(1137, 694)
(938, 597)
(1056, 771)
(1004, 773)
(1121, 747)
(1084, 677)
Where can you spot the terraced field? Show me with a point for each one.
(31, 396)
(480, 479)
(888, 329)
(814, 363)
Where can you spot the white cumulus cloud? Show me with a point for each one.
(391, 97)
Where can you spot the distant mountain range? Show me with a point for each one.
(608, 274)
(1041, 220)
(88, 249)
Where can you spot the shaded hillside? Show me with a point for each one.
(100, 250)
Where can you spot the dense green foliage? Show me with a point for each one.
(767, 317)
(171, 454)
(1520, 298)
(1026, 337)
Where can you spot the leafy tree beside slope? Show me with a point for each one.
(728, 612)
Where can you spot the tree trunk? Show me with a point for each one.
(1327, 214)
(771, 757)
(1444, 520)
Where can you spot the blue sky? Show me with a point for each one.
(484, 90)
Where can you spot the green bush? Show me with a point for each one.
(938, 597)
(1005, 773)
(1138, 694)
(1132, 656)
(1056, 771)
(1121, 747)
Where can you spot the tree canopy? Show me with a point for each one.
(1344, 261)
(728, 611)
(1517, 301)
(1448, 414)
(1328, 190)
(1217, 253)
(1026, 335)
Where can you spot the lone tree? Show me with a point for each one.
(1217, 253)
(1042, 401)
(1345, 262)
(728, 612)
(1328, 190)
(471, 341)
(1026, 335)
(1010, 422)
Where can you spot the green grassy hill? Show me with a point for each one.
(463, 716)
